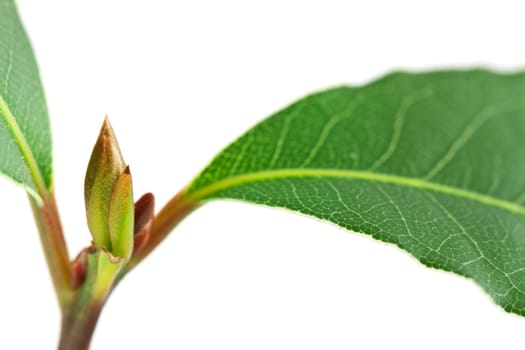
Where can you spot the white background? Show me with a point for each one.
(179, 81)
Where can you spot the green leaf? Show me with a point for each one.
(25, 136)
(121, 216)
(433, 163)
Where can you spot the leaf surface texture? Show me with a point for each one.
(431, 162)
(25, 136)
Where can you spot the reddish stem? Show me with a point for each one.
(168, 217)
(78, 328)
(54, 245)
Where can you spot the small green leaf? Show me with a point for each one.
(121, 216)
(433, 163)
(25, 135)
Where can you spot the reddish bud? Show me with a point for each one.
(144, 212)
(79, 268)
(141, 238)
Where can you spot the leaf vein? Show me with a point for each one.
(280, 140)
(327, 129)
(405, 223)
(399, 120)
(475, 244)
(478, 121)
(418, 183)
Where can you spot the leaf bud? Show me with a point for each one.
(104, 169)
(79, 268)
(144, 213)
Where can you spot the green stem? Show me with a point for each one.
(54, 246)
(104, 272)
(80, 319)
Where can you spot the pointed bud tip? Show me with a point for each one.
(147, 200)
(107, 130)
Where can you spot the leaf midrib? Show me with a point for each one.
(203, 193)
(23, 145)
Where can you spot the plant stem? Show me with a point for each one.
(54, 246)
(78, 326)
(168, 217)
(80, 319)
(81, 315)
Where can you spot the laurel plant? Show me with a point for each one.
(407, 159)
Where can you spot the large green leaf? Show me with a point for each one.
(433, 163)
(25, 137)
